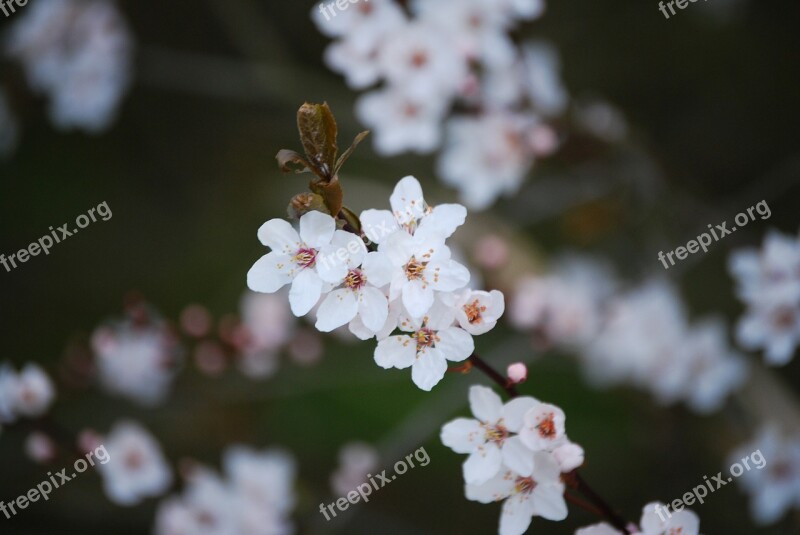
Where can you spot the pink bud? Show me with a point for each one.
(517, 373)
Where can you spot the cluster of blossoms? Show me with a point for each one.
(136, 357)
(27, 393)
(437, 53)
(517, 453)
(255, 497)
(776, 489)
(79, 54)
(768, 282)
(640, 337)
(655, 521)
(408, 283)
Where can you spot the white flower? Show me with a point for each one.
(426, 268)
(85, 80)
(400, 121)
(543, 427)
(356, 461)
(598, 529)
(293, 259)
(773, 485)
(487, 156)
(359, 279)
(539, 494)
(411, 213)
(423, 61)
(488, 440)
(265, 480)
(477, 311)
(34, 391)
(656, 520)
(135, 361)
(136, 468)
(431, 342)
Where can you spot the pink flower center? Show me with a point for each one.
(496, 433)
(784, 318)
(305, 258)
(425, 338)
(419, 59)
(355, 279)
(547, 427)
(525, 484)
(474, 312)
(415, 270)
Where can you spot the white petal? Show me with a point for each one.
(517, 456)
(357, 327)
(429, 369)
(447, 276)
(548, 501)
(462, 435)
(651, 521)
(417, 298)
(514, 411)
(407, 201)
(378, 224)
(270, 273)
(373, 308)
(280, 236)
(379, 269)
(305, 292)
(398, 351)
(455, 344)
(444, 220)
(486, 405)
(483, 464)
(496, 489)
(569, 456)
(516, 515)
(338, 308)
(316, 229)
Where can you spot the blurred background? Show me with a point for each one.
(711, 103)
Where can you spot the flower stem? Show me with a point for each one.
(495, 376)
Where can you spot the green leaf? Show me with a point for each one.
(318, 134)
(346, 155)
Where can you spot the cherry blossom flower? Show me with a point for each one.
(293, 259)
(657, 521)
(431, 341)
(136, 361)
(477, 312)
(28, 393)
(773, 487)
(136, 469)
(426, 269)
(490, 440)
(411, 213)
(540, 493)
(543, 427)
(78, 53)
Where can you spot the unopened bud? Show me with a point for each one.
(517, 373)
(303, 203)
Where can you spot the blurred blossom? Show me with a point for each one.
(356, 461)
(768, 282)
(267, 326)
(640, 337)
(9, 131)
(602, 120)
(136, 468)
(40, 448)
(136, 361)
(196, 321)
(256, 497)
(306, 347)
(209, 357)
(451, 52)
(491, 252)
(774, 487)
(79, 54)
(28, 393)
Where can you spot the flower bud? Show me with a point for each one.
(517, 373)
